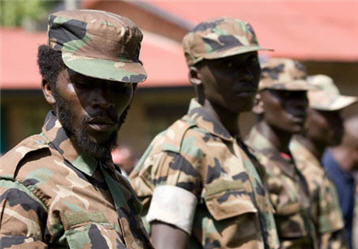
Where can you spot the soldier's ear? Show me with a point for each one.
(48, 92)
(195, 80)
(194, 76)
(258, 106)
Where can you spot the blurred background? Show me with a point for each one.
(322, 34)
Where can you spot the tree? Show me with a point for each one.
(13, 13)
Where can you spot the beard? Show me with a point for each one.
(99, 150)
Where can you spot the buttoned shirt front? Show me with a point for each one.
(208, 185)
(53, 197)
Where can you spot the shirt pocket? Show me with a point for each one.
(228, 204)
(90, 230)
(226, 199)
(234, 218)
(290, 221)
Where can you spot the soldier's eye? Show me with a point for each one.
(121, 88)
(229, 65)
(286, 95)
(253, 60)
(81, 85)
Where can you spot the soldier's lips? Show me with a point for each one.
(102, 124)
(246, 93)
(298, 119)
(244, 88)
(101, 127)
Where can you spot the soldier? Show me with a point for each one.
(281, 107)
(197, 180)
(324, 128)
(340, 163)
(59, 188)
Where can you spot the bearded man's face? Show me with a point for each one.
(91, 110)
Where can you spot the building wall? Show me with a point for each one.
(24, 112)
(152, 111)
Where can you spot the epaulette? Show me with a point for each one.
(12, 161)
(175, 133)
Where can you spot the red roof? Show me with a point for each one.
(18, 68)
(305, 29)
(163, 60)
(301, 29)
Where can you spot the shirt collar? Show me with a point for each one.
(267, 150)
(59, 141)
(198, 115)
(260, 142)
(303, 156)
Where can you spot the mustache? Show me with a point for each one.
(297, 111)
(102, 115)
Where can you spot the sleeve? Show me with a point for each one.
(331, 225)
(330, 214)
(334, 240)
(176, 179)
(23, 217)
(164, 207)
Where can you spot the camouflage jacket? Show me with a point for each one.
(196, 156)
(324, 200)
(288, 193)
(52, 197)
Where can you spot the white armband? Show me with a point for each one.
(173, 205)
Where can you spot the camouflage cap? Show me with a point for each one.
(325, 95)
(98, 44)
(283, 74)
(219, 38)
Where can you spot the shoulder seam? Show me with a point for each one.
(33, 190)
(175, 145)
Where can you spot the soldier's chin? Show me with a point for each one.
(334, 141)
(246, 107)
(94, 148)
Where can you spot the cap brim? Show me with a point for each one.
(296, 85)
(233, 51)
(128, 72)
(338, 103)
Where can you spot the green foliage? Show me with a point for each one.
(14, 12)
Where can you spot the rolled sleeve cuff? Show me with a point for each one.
(173, 205)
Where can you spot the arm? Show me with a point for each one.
(171, 216)
(22, 215)
(166, 236)
(334, 240)
(175, 186)
(331, 225)
(173, 183)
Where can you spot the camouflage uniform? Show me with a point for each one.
(325, 96)
(219, 38)
(287, 187)
(98, 44)
(288, 194)
(197, 163)
(52, 197)
(324, 200)
(227, 204)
